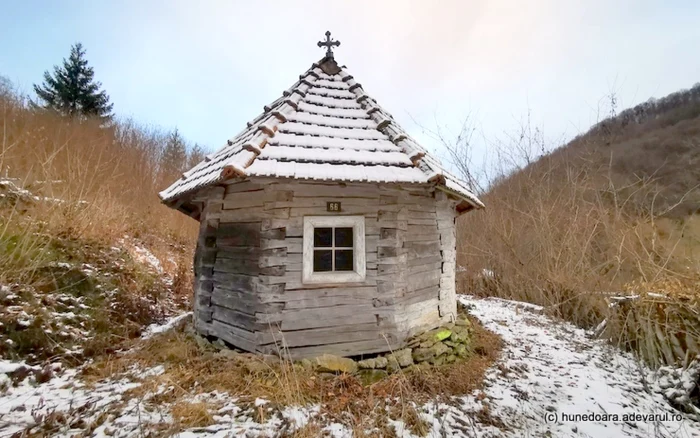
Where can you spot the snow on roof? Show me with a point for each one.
(324, 127)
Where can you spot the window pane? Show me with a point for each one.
(343, 260)
(323, 260)
(323, 237)
(343, 237)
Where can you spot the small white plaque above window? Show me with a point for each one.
(334, 249)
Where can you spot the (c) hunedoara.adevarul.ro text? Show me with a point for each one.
(563, 417)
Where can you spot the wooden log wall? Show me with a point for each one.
(253, 296)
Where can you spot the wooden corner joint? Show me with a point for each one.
(268, 130)
(383, 123)
(231, 171)
(252, 147)
(398, 138)
(280, 115)
(416, 156)
(438, 179)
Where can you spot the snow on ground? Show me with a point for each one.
(154, 329)
(141, 253)
(548, 370)
(551, 370)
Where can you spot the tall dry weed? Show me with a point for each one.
(567, 230)
(82, 179)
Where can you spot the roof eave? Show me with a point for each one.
(467, 204)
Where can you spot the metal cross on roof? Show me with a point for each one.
(328, 43)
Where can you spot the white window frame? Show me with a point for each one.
(359, 272)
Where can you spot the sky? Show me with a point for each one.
(207, 67)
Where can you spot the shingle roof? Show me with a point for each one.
(324, 127)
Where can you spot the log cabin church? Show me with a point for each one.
(325, 228)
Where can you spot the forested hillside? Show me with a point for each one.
(613, 212)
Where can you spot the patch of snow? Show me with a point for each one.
(487, 273)
(7, 366)
(547, 369)
(550, 370)
(260, 402)
(155, 329)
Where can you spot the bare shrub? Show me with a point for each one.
(570, 228)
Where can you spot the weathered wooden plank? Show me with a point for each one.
(319, 202)
(237, 266)
(328, 321)
(233, 335)
(386, 252)
(332, 335)
(242, 186)
(290, 318)
(253, 202)
(277, 233)
(387, 215)
(293, 244)
(429, 267)
(389, 269)
(346, 348)
(422, 238)
(317, 190)
(204, 315)
(295, 227)
(329, 302)
(428, 222)
(389, 223)
(249, 253)
(448, 267)
(366, 211)
(236, 300)
(207, 256)
(248, 215)
(237, 318)
(412, 214)
(423, 279)
(418, 296)
(449, 256)
(424, 260)
(209, 194)
(445, 224)
(296, 283)
(391, 287)
(320, 292)
(298, 266)
(238, 234)
(422, 249)
(236, 281)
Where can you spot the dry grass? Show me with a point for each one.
(192, 414)
(192, 369)
(106, 182)
(76, 190)
(569, 229)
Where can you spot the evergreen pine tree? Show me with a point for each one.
(174, 158)
(195, 156)
(72, 91)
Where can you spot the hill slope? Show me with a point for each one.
(615, 210)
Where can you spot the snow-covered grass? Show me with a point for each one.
(548, 369)
(172, 322)
(70, 298)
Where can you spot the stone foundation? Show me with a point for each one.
(444, 345)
